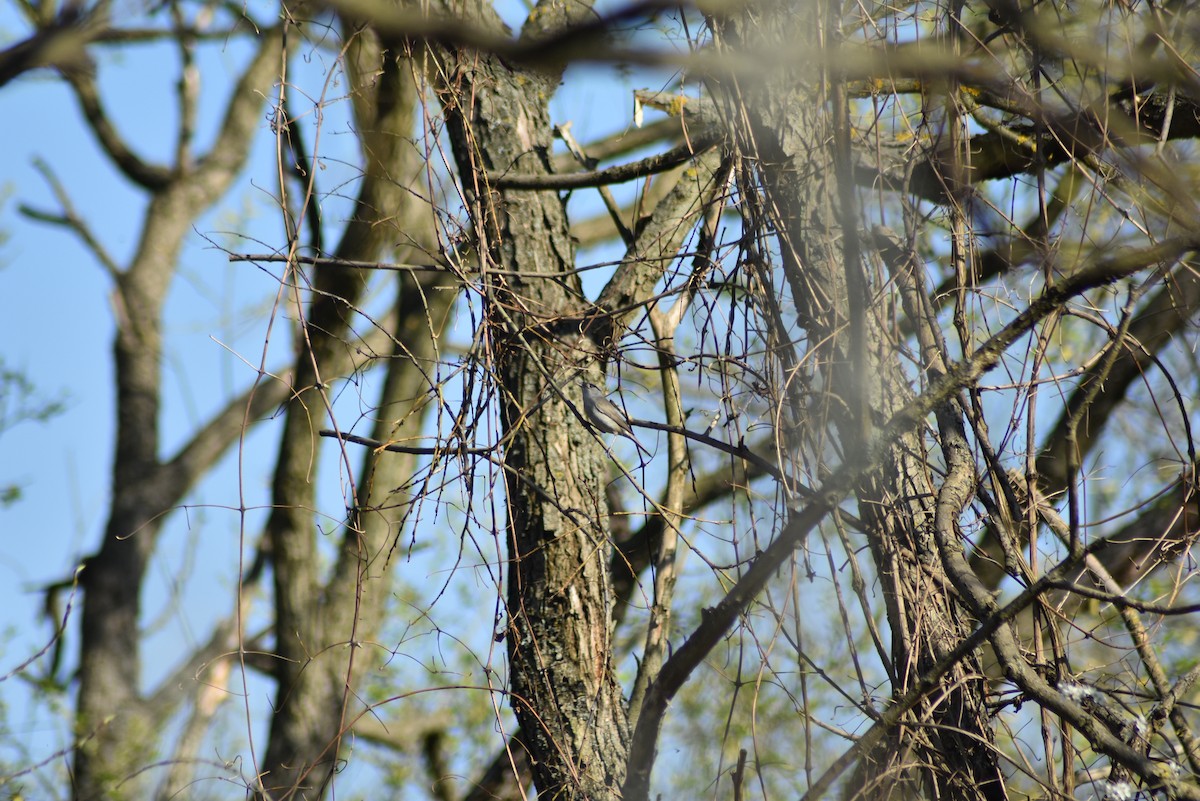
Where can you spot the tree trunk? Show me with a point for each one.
(114, 728)
(797, 137)
(564, 691)
(318, 616)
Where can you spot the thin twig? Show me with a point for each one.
(69, 218)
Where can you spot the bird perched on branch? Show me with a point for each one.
(606, 416)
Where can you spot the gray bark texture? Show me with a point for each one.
(793, 135)
(563, 688)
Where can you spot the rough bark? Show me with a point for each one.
(794, 135)
(563, 689)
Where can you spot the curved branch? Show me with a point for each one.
(152, 177)
(242, 119)
(1155, 326)
(634, 551)
(623, 142)
(71, 219)
(59, 44)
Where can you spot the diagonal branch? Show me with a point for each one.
(657, 243)
(195, 458)
(718, 620)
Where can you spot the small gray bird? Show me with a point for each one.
(606, 415)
